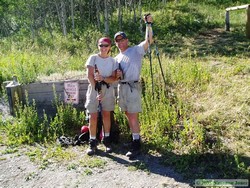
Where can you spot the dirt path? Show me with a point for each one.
(16, 170)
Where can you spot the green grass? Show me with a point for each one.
(199, 121)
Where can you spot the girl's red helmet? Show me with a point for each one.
(85, 129)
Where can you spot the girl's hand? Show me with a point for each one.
(119, 74)
(99, 97)
(98, 77)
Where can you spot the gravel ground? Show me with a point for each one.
(17, 170)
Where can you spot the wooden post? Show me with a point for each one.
(248, 23)
(13, 90)
(227, 21)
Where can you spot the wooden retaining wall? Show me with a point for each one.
(44, 94)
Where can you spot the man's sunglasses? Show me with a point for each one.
(103, 45)
(120, 40)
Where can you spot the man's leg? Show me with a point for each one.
(135, 129)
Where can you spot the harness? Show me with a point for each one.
(105, 83)
(98, 85)
(131, 84)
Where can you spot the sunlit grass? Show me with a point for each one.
(202, 110)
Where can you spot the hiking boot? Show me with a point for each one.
(135, 149)
(92, 147)
(107, 143)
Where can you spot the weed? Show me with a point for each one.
(3, 158)
(10, 150)
(92, 162)
(198, 121)
(29, 128)
(30, 176)
(72, 166)
(88, 172)
(138, 166)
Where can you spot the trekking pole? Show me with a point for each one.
(99, 109)
(159, 60)
(149, 53)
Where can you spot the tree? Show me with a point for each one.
(119, 15)
(61, 12)
(106, 17)
(72, 16)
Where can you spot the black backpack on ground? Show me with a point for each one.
(83, 138)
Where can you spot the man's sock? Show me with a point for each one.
(136, 136)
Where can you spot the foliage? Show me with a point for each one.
(198, 120)
(68, 120)
(34, 58)
(50, 52)
(29, 128)
(44, 156)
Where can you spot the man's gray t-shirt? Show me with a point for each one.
(131, 62)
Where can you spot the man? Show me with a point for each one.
(129, 89)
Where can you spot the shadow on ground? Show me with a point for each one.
(211, 42)
(153, 164)
(190, 166)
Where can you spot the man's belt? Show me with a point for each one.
(130, 82)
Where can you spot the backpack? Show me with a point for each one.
(66, 141)
(83, 138)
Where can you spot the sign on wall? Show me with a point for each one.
(71, 92)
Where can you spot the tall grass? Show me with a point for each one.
(199, 120)
(166, 116)
(29, 128)
(29, 59)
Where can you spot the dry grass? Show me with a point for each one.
(226, 104)
(70, 75)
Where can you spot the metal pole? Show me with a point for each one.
(159, 60)
(150, 60)
(227, 21)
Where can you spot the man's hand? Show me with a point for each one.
(119, 74)
(148, 18)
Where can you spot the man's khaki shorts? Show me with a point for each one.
(129, 97)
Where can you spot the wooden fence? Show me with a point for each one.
(44, 94)
(227, 19)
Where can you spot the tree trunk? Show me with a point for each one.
(134, 9)
(248, 23)
(63, 15)
(98, 14)
(60, 8)
(106, 19)
(120, 15)
(141, 16)
(72, 17)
